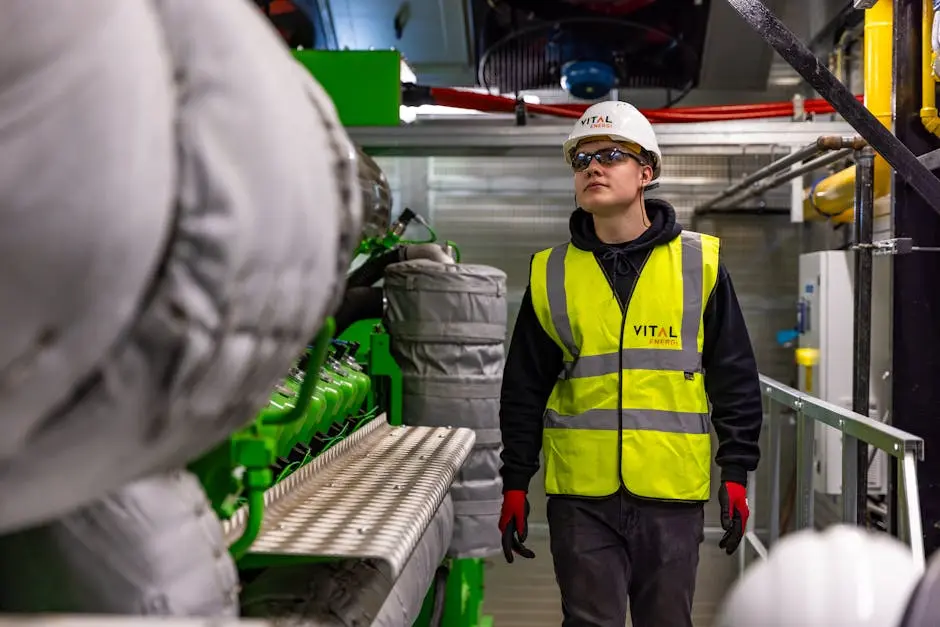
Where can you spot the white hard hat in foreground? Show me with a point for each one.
(844, 576)
(619, 121)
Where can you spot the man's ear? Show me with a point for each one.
(647, 174)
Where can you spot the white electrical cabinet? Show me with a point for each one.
(825, 322)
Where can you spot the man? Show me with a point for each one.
(624, 338)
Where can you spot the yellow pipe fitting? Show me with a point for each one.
(930, 119)
(832, 195)
(808, 358)
(835, 195)
(928, 83)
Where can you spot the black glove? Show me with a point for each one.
(515, 531)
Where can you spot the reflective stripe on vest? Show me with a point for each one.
(661, 423)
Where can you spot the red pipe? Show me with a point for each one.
(457, 98)
(813, 104)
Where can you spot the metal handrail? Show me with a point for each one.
(905, 448)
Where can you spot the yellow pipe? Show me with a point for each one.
(835, 196)
(928, 84)
(832, 195)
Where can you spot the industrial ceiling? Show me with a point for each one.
(437, 37)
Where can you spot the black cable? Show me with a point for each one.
(359, 303)
(672, 101)
(441, 575)
(847, 17)
(373, 269)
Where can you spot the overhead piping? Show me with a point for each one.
(841, 56)
(711, 113)
(776, 173)
(783, 177)
(416, 95)
(834, 197)
(771, 168)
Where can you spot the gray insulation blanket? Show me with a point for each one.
(152, 547)
(353, 593)
(447, 324)
(178, 203)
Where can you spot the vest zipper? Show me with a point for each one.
(623, 326)
(613, 285)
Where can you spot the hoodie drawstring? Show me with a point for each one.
(622, 265)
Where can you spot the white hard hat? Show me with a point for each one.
(842, 576)
(619, 121)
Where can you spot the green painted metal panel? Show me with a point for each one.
(365, 85)
(463, 603)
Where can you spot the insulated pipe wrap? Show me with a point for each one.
(86, 193)
(153, 547)
(177, 223)
(447, 324)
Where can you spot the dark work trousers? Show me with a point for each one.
(618, 549)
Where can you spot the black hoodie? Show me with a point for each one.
(731, 377)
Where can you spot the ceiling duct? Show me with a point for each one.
(589, 47)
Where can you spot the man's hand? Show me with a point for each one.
(732, 497)
(513, 524)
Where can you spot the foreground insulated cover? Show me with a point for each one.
(178, 204)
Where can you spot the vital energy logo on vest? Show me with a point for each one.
(657, 334)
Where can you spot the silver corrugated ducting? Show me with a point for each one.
(376, 196)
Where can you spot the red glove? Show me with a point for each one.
(513, 524)
(732, 497)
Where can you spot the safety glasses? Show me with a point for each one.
(608, 156)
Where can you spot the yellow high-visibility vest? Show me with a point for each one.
(630, 407)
